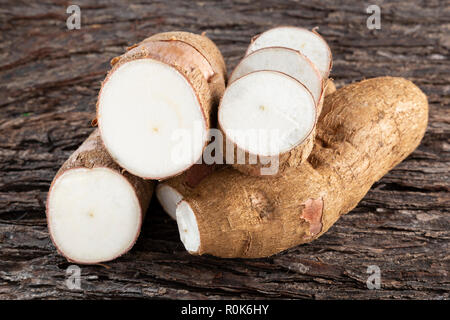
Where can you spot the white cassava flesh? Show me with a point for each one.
(145, 108)
(309, 43)
(285, 60)
(94, 208)
(188, 227)
(169, 198)
(94, 214)
(266, 113)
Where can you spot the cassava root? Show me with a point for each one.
(365, 130)
(161, 91)
(94, 208)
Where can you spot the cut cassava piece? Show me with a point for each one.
(285, 60)
(365, 130)
(301, 54)
(94, 209)
(270, 115)
(160, 95)
(309, 43)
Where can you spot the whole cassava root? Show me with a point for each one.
(161, 90)
(94, 208)
(365, 130)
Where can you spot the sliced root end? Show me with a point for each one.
(169, 198)
(146, 105)
(93, 215)
(267, 113)
(188, 227)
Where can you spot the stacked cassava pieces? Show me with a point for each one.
(279, 107)
(274, 96)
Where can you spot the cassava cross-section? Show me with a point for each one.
(94, 209)
(160, 95)
(365, 130)
(266, 114)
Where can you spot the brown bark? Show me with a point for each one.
(49, 81)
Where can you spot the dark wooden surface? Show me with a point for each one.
(49, 79)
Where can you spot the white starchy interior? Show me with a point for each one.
(169, 198)
(305, 41)
(284, 60)
(93, 214)
(150, 119)
(188, 228)
(267, 113)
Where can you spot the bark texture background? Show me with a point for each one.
(49, 79)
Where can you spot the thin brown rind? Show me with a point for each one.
(208, 49)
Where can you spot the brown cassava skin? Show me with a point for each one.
(365, 130)
(175, 52)
(330, 87)
(289, 159)
(207, 49)
(92, 154)
(200, 43)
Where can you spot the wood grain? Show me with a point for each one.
(49, 79)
